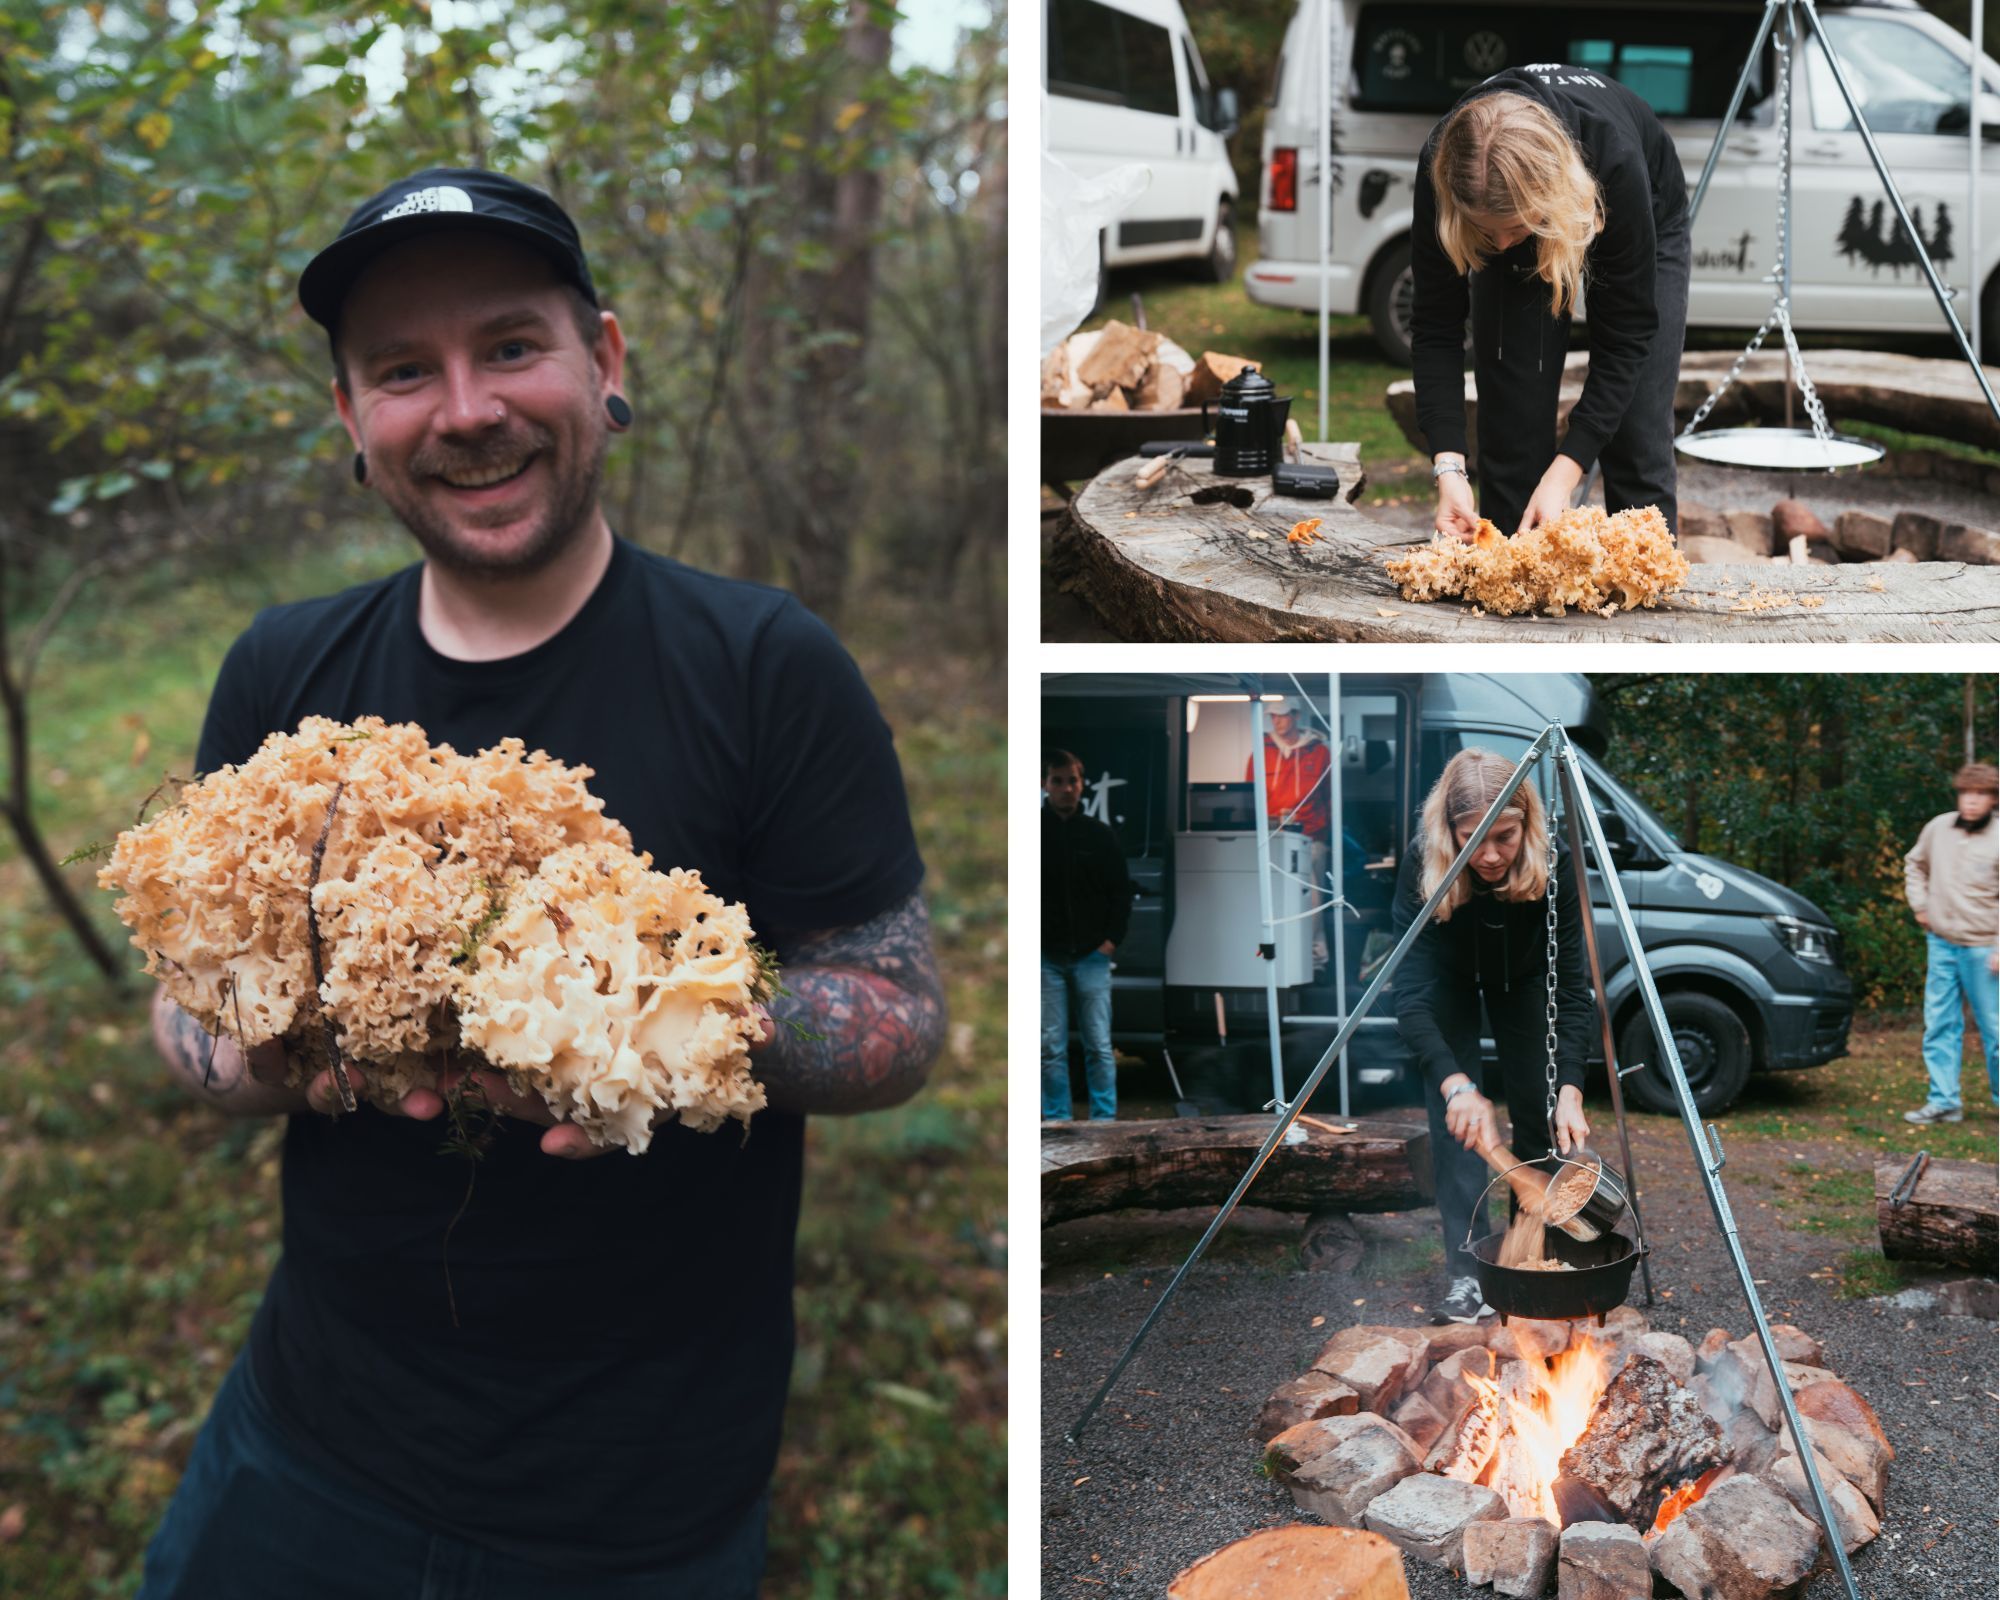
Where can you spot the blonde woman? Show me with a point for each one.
(1542, 186)
(1488, 941)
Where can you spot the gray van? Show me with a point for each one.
(1749, 970)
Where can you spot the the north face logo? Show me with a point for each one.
(442, 198)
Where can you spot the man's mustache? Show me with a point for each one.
(497, 449)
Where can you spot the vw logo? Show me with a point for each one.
(1486, 51)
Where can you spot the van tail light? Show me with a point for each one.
(1284, 179)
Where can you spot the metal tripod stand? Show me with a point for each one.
(1553, 745)
(1789, 447)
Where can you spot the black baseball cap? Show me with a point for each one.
(437, 198)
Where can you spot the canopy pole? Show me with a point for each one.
(1267, 936)
(1976, 134)
(1339, 885)
(1327, 195)
(1289, 1113)
(1707, 1153)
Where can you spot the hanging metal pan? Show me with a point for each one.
(1779, 449)
(1599, 1282)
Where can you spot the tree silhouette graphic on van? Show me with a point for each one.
(1861, 241)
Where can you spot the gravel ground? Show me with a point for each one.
(1168, 1472)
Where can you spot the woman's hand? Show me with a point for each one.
(1456, 513)
(1469, 1118)
(1552, 495)
(1571, 1126)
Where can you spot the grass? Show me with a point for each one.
(137, 1230)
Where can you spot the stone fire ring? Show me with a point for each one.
(1157, 567)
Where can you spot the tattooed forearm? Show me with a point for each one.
(214, 1069)
(862, 1018)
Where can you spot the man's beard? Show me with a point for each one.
(572, 498)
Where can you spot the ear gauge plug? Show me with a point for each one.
(360, 467)
(616, 408)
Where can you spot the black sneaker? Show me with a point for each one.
(1462, 1303)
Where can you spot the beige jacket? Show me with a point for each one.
(1954, 877)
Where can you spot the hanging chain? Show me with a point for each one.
(1551, 1038)
(1781, 310)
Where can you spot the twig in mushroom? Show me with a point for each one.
(340, 1077)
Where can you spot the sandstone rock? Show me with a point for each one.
(1833, 1401)
(1764, 1393)
(1794, 519)
(1699, 521)
(1417, 1417)
(1378, 1364)
(1740, 1541)
(1427, 1515)
(1706, 550)
(1794, 1344)
(1970, 1297)
(1961, 543)
(1753, 530)
(1297, 1447)
(1669, 1349)
(1529, 1338)
(1603, 1561)
(1901, 555)
(1623, 1320)
(1856, 1455)
(1456, 1336)
(1750, 1444)
(1513, 1555)
(1305, 1398)
(1339, 1484)
(1713, 1343)
(1917, 533)
(1863, 535)
(1446, 1388)
(1851, 1510)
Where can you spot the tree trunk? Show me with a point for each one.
(824, 520)
(1090, 1167)
(1950, 1218)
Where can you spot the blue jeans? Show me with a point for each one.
(1091, 977)
(1956, 973)
(253, 1520)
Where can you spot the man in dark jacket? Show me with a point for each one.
(1086, 903)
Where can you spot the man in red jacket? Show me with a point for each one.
(1297, 791)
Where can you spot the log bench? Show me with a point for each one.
(1155, 566)
(1162, 1164)
(1949, 1217)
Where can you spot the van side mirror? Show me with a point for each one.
(1618, 837)
(1228, 114)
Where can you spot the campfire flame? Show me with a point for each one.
(1540, 1407)
(1685, 1496)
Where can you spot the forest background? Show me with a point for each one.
(798, 211)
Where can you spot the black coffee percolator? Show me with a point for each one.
(1249, 426)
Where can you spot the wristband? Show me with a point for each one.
(1440, 470)
(1452, 1094)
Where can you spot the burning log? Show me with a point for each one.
(1645, 1434)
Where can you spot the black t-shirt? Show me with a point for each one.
(611, 1393)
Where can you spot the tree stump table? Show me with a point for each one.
(1157, 566)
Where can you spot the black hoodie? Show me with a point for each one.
(1086, 891)
(1638, 172)
(1496, 950)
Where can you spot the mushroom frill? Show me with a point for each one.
(469, 911)
(1582, 558)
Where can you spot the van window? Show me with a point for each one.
(1097, 53)
(1682, 61)
(1198, 89)
(1906, 81)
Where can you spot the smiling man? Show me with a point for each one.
(589, 1404)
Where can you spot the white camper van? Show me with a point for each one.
(1398, 65)
(1124, 84)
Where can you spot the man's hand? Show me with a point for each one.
(1924, 920)
(1552, 495)
(1106, 948)
(1457, 515)
(1571, 1127)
